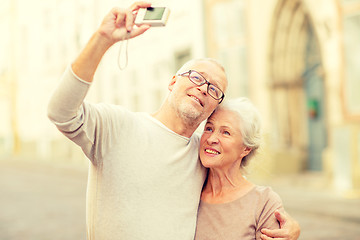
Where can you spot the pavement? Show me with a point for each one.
(41, 201)
(46, 201)
(323, 213)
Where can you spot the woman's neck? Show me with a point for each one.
(225, 186)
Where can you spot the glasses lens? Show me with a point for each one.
(199, 80)
(196, 78)
(214, 92)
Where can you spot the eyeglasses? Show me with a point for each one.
(199, 80)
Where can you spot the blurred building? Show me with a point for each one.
(43, 39)
(296, 59)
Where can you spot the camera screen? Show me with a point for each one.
(154, 13)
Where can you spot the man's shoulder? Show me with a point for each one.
(107, 107)
(197, 135)
(196, 138)
(107, 112)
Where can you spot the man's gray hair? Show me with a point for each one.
(186, 65)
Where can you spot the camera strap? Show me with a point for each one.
(126, 40)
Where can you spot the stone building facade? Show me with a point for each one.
(298, 61)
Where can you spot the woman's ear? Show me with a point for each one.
(246, 151)
(172, 83)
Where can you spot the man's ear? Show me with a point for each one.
(172, 83)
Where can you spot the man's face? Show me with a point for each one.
(193, 102)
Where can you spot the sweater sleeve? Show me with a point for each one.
(67, 98)
(271, 201)
(67, 111)
(91, 126)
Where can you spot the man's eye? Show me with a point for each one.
(196, 78)
(227, 133)
(213, 88)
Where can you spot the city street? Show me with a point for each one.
(40, 201)
(322, 214)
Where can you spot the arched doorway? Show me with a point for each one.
(297, 84)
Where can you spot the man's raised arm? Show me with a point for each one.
(117, 25)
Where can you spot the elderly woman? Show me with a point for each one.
(231, 206)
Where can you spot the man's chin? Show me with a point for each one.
(192, 115)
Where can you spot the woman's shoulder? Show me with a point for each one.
(264, 190)
(267, 196)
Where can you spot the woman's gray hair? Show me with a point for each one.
(250, 124)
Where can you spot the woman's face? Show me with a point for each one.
(221, 145)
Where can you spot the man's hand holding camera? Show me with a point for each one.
(118, 24)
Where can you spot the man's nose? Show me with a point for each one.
(203, 88)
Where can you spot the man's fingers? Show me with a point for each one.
(281, 217)
(120, 17)
(129, 21)
(289, 229)
(275, 233)
(289, 225)
(264, 237)
(125, 17)
(140, 30)
(131, 15)
(141, 4)
(268, 234)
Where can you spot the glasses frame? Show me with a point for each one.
(205, 82)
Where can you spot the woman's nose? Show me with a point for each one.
(213, 138)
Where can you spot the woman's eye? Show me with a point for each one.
(208, 129)
(227, 133)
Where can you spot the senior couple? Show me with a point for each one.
(145, 179)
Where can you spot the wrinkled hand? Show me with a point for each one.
(118, 24)
(289, 228)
